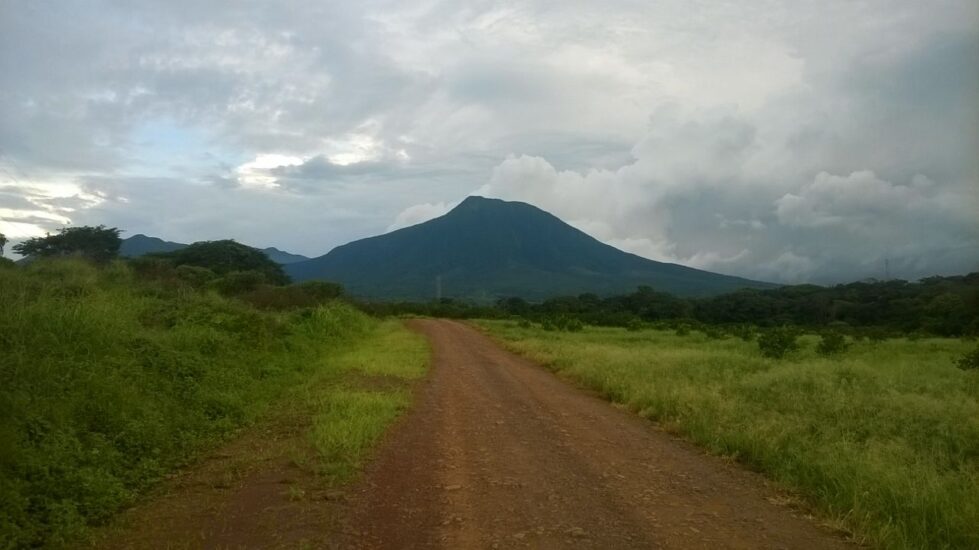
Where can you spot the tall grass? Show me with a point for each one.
(107, 383)
(348, 417)
(884, 439)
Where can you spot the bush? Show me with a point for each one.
(110, 384)
(778, 342)
(714, 333)
(969, 361)
(832, 343)
(321, 291)
(7, 263)
(745, 332)
(148, 267)
(239, 282)
(682, 330)
(634, 324)
(197, 277)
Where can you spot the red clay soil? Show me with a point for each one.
(497, 452)
(500, 453)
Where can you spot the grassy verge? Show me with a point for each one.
(350, 415)
(110, 382)
(884, 439)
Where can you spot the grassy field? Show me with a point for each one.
(110, 383)
(884, 440)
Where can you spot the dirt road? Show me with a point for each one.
(499, 453)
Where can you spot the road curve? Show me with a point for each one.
(500, 453)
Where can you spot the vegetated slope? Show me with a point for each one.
(283, 257)
(488, 248)
(110, 381)
(884, 438)
(140, 245)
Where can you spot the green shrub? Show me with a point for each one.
(714, 333)
(969, 361)
(778, 342)
(111, 381)
(322, 291)
(832, 343)
(239, 282)
(197, 277)
(634, 324)
(682, 330)
(745, 332)
(149, 267)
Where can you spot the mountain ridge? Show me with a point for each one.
(140, 244)
(489, 248)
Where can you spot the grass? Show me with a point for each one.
(111, 382)
(350, 416)
(884, 440)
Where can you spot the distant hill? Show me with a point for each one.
(488, 248)
(140, 244)
(283, 257)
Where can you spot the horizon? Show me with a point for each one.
(800, 142)
(886, 278)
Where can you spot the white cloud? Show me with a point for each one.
(258, 173)
(681, 131)
(419, 213)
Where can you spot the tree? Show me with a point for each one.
(3, 242)
(99, 243)
(227, 256)
(778, 342)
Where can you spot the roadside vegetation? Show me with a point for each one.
(882, 435)
(116, 373)
(936, 306)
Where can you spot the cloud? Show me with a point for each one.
(420, 213)
(782, 140)
(859, 200)
(702, 191)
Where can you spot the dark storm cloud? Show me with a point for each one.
(791, 140)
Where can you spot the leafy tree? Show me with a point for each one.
(3, 242)
(99, 243)
(832, 343)
(227, 256)
(778, 342)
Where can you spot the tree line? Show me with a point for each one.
(944, 306)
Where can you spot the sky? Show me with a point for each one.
(790, 141)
